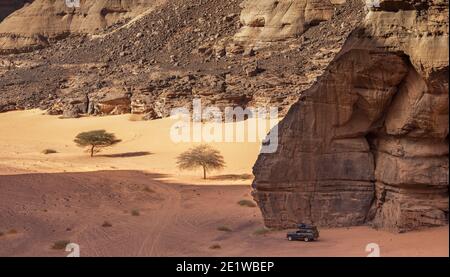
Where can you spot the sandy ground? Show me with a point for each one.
(153, 208)
(145, 146)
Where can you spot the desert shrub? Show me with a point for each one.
(215, 246)
(106, 224)
(247, 203)
(135, 213)
(49, 151)
(149, 190)
(60, 244)
(136, 117)
(224, 229)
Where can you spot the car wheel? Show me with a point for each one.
(306, 239)
(290, 238)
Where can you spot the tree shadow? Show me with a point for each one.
(127, 154)
(227, 177)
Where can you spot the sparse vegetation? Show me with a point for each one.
(49, 151)
(261, 231)
(60, 244)
(96, 140)
(215, 246)
(247, 203)
(135, 213)
(149, 190)
(9, 232)
(106, 224)
(203, 156)
(224, 229)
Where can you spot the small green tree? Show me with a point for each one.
(96, 140)
(203, 156)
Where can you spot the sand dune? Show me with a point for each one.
(154, 209)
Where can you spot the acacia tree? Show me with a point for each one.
(96, 140)
(203, 156)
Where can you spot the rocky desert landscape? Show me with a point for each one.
(361, 89)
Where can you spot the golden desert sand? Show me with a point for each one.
(131, 200)
(146, 145)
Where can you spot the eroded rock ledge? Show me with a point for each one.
(43, 21)
(270, 20)
(180, 51)
(368, 143)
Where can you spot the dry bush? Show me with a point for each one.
(215, 246)
(106, 224)
(60, 244)
(224, 229)
(247, 203)
(135, 213)
(49, 151)
(136, 117)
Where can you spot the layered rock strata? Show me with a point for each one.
(181, 51)
(42, 21)
(368, 143)
(272, 20)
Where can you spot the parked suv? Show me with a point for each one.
(305, 232)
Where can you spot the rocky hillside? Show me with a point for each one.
(180, 51)
(368, 143)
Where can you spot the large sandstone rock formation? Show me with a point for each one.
(272, 20)
(42, 21)
(369, 141)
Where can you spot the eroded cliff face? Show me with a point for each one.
(368, 143)
(42, 21)
(273, 20)
(184, 49)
